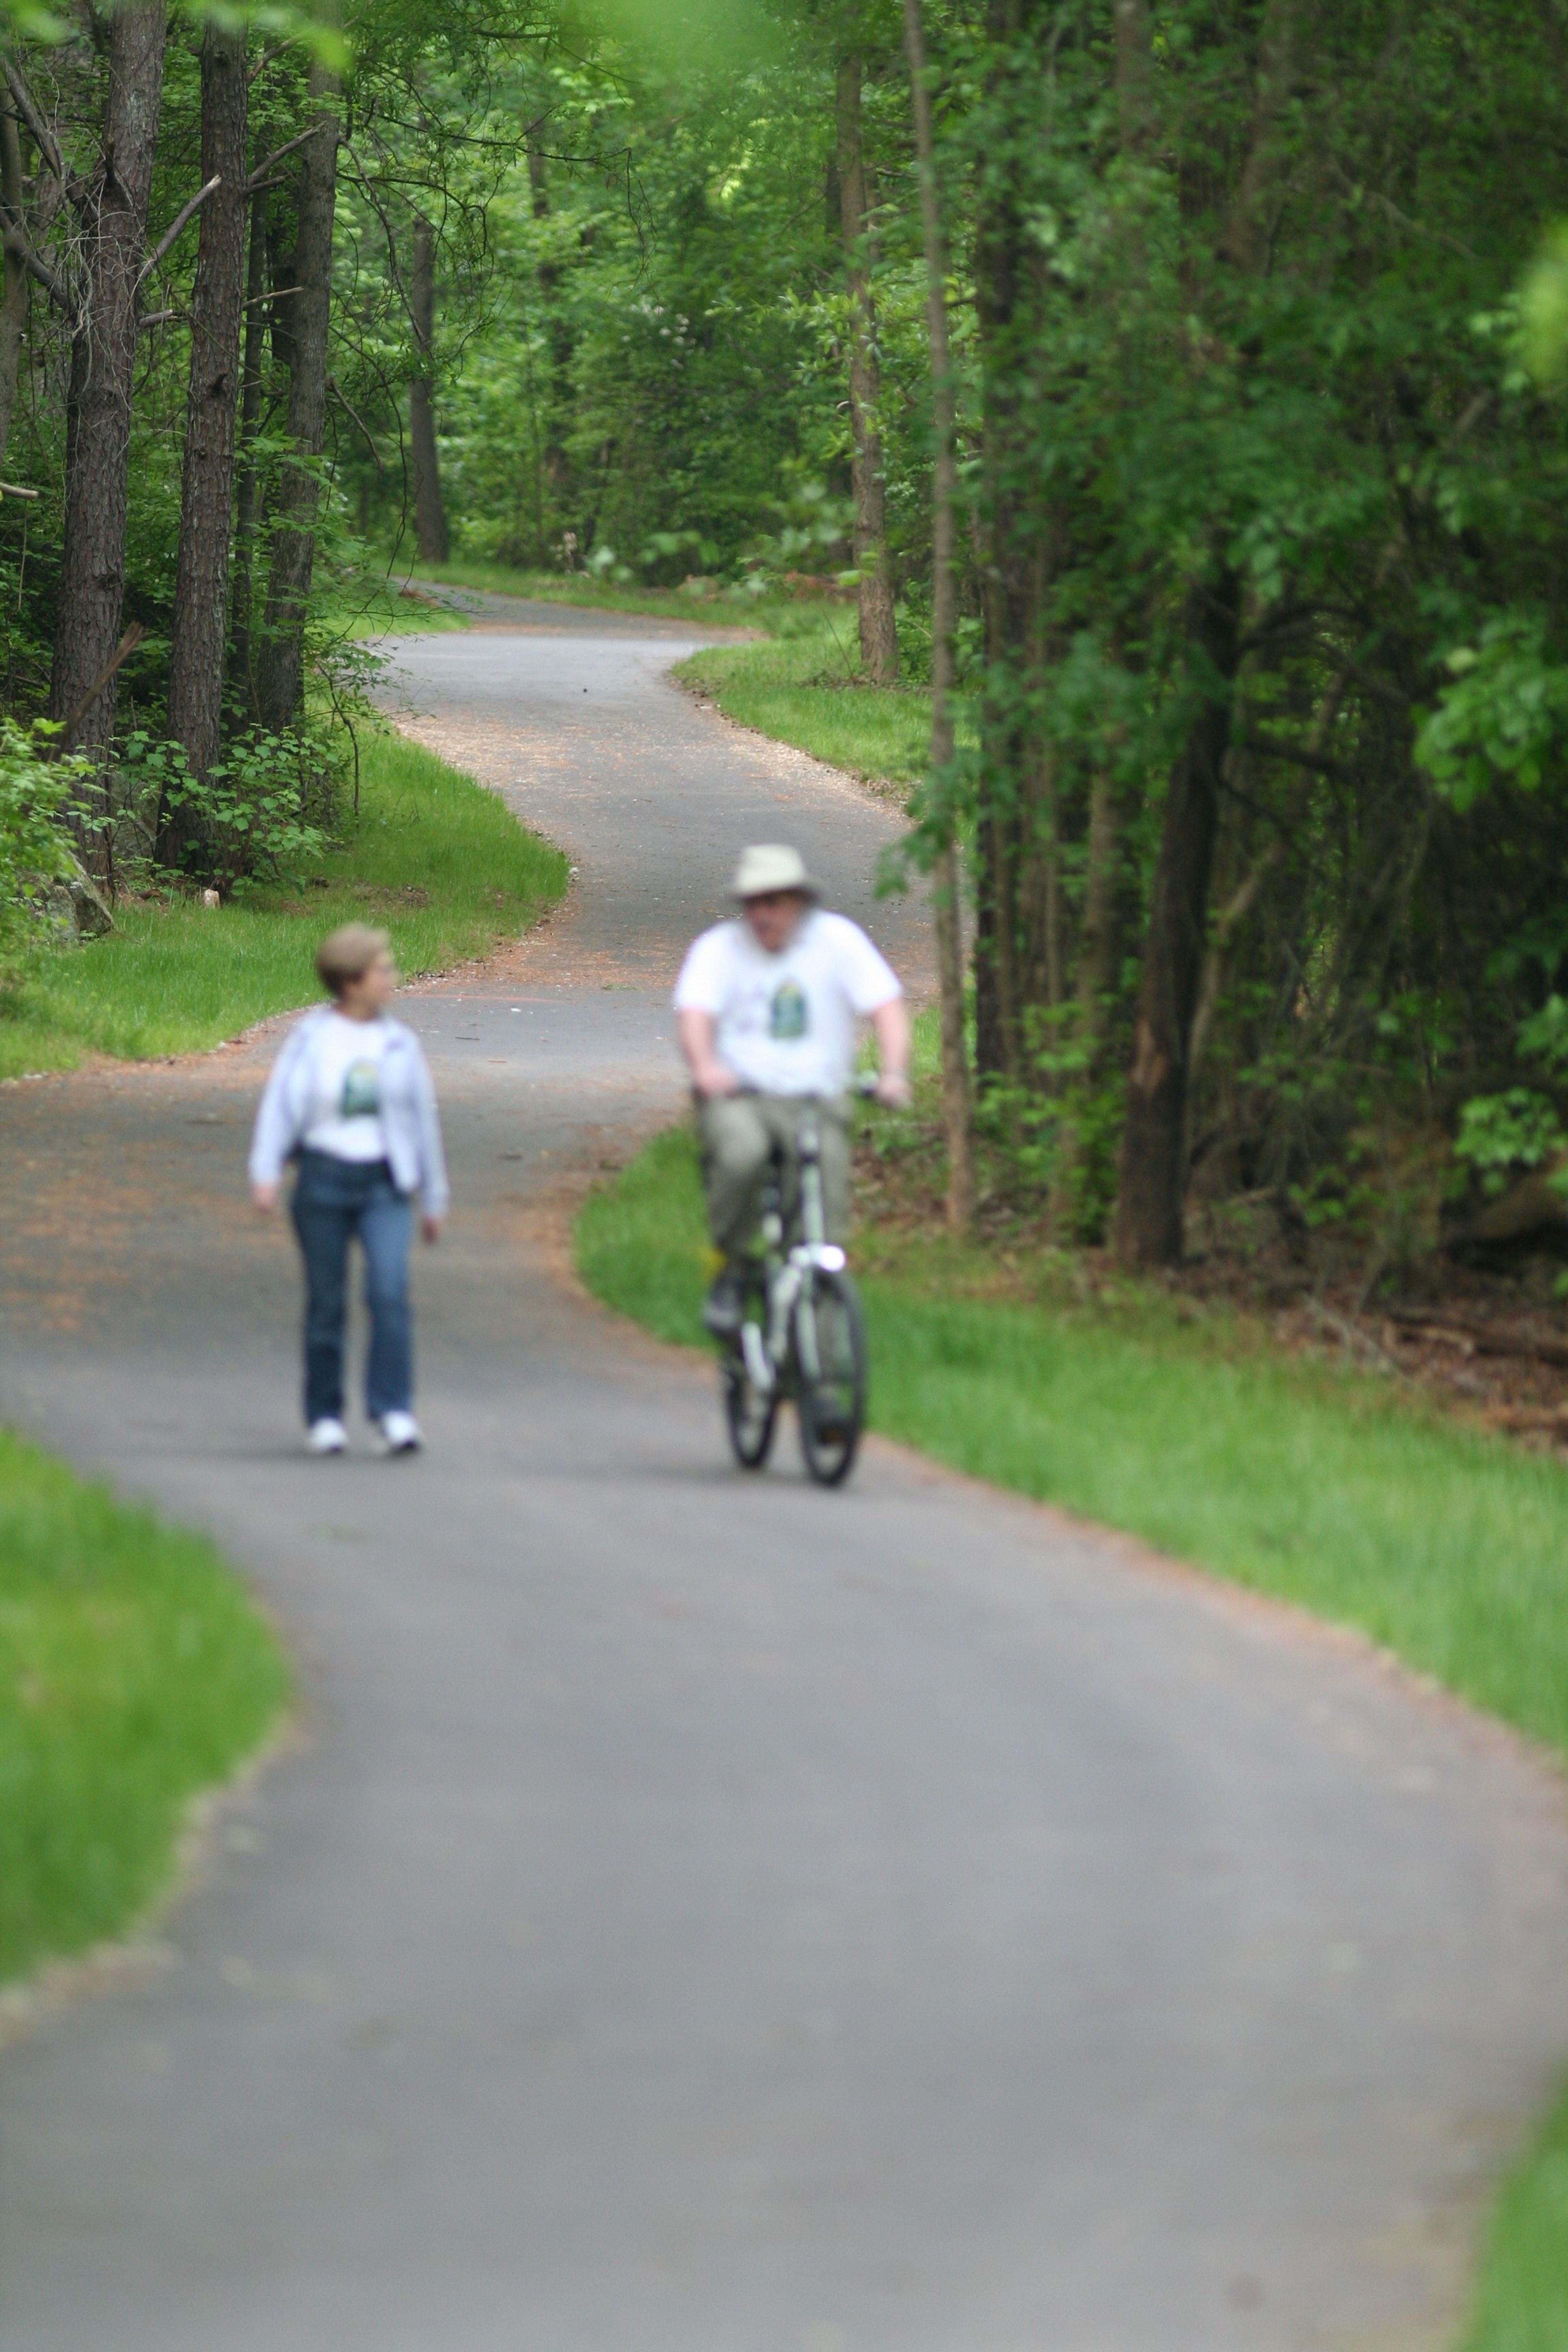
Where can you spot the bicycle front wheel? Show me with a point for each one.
(830, 1357)
(749, 1413)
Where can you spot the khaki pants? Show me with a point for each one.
(739, 1132)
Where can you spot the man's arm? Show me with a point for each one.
(891, 1023)
(710, 1075)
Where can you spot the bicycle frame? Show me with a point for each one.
(766, 1351)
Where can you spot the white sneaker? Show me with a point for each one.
(327, 1436)
(400, 1433)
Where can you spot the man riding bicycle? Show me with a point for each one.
(767, 1005)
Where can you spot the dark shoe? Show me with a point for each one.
(726, 1305)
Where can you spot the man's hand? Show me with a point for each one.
(894, 1091)
(265, 1197)
(431, 1229)
(710, 1078)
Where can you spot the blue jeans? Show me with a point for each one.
(333, 1201)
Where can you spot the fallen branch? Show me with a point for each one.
(1478, 1339)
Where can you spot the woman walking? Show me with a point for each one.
(350, 1098)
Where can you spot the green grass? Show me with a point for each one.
(1316, 1487)
(799, 688)
(1522, 2300)
(133, 1672)
(432, 856)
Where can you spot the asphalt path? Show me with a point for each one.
(701, 1914)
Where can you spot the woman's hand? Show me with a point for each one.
(431, 1229)
(265, 1197)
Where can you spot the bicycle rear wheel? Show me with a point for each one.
(751, 1414)
(830, 1356)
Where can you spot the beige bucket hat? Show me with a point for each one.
(769, 866)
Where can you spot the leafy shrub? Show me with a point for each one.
(259, 815)
(35, 850)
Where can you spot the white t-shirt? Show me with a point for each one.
(786, 1023)
(344, 1117)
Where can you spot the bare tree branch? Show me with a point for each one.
(191, 206)
(337, 392)
(17, 244)
(258, 177)
(27, 108)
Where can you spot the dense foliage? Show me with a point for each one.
(1258, 315)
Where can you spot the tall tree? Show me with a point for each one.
(252, 365)
(14, 292)
(946, 902)
(280, 666)
(874, 592)
(1151, 1180)
(201, 584)
(110, 201)
(430, 510)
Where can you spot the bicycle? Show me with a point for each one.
(801, 1335)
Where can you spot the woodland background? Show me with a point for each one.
(1222, 488)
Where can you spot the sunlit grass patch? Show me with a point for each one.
(431, 856)
(133, 1672)
(799, 686)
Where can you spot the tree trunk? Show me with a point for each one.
(201, 582)
(430, 510)
(13, 297)
(1152, 1173)
(879, 638)
(945, 501)
(250, 418)
(1019, 832)
(111, 206)
(280, 667)
(1147, 1231)
(555, 465)
(1095, 976)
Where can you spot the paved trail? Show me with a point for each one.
(707, 1916)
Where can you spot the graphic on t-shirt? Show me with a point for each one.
(361, 1091)
(791, 1015)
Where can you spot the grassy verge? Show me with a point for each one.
(133, 1672)
(1297, 1480)
(432, 855)
(799, 686)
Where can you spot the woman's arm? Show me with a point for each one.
(275, 1133)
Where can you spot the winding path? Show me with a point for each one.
(707, 1916)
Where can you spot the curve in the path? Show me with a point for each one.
(705, 1916)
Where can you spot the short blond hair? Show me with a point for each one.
(347, 954)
